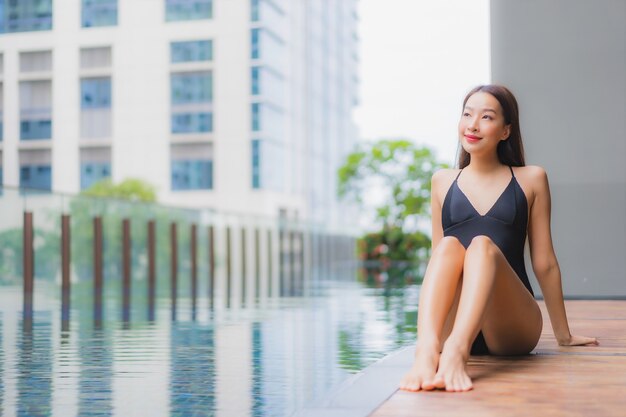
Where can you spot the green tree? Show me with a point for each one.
(129, 189)
(404, 170)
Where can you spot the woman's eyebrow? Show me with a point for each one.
(485, 109)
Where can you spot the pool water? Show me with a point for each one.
(267, 359)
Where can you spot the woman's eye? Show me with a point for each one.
(487, 117)
(466, 114)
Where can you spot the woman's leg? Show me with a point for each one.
(436, 296)
(493, 299)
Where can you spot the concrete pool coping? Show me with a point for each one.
(365, 391)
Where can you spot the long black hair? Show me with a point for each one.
(511, 150)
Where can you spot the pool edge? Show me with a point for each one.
(365, 391)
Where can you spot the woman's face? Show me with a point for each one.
(482, 124)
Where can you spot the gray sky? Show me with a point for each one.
(418, 60)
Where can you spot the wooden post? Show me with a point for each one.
(126, 267)
(65, 271)
(228, 267)
(173, 268)
(97, 271)
(243, 266)
(151, 268)
(28, 257)
(211, 265)
(194, 270)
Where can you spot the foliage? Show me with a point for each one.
(129, 189)
(393, 244)
(404, 169)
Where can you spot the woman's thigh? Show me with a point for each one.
(512, 322)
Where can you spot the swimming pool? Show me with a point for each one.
(267, 358)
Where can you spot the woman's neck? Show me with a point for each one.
(484, 165)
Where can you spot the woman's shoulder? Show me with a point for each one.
(531, 173)
(533, 180)
(444, 176)
(441, 180)
(443, 173)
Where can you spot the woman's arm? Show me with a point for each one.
(435, 207)
(544, 262)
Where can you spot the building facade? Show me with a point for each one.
(239, 105)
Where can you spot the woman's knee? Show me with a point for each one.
(482, 243)
(450, 244)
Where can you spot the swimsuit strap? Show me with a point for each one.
(457, 175)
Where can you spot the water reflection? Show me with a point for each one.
(251, 361)
(257, 372)
(96, 372)
(34, 367)
(1, 367)
(192, 370)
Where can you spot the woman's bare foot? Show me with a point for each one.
(422, 372)
(451, 374)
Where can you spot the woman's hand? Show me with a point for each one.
(579, 341)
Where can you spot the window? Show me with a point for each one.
(256, 164)
(192, 174)
(95, 93)
(191, 51)
(268, 83)
(268, 165)
(92, 172)
(192, 87)
(188, 10)
(36, 177)
(1, 113)
(267, 119)
(268, 46)
(191, 98)
(95, 104)
(254, 10)
(256, 81)
(191, 167)
(99, 13)
(268, 12)
(192, 122)
(255, 41)
(95, 165)
(25, 15)
(256, 117)
(35, 110)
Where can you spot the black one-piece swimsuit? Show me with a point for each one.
(505, 223)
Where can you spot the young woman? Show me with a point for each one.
(476, 297)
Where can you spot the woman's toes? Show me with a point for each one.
(415, 386)
(439, 381)
(428, 385)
